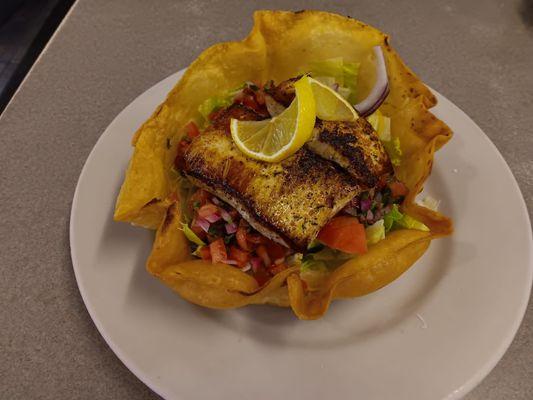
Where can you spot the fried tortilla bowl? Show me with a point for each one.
(279, 46)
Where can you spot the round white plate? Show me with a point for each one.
(432, 334)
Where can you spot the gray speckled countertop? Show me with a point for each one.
(479, 54)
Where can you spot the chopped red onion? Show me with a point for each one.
(380, 90)
(256, 263)
(212, 218)
(231, 262)
(231, 228)
(202, 223)
(247, 267)
(365, 204)
(369, 215)
(215, 200)
(273, 107)
(225, 215)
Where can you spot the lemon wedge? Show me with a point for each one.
(275, 139)
(330, 105)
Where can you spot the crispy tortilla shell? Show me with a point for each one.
(280, 45)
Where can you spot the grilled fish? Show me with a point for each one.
(354, 146)
(288, 202)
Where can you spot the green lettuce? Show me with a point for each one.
(395, 219)
(336, 70)
(381, 125)
(213, 104)
(393, 149)
(375, 232)
(191, 236)
(217, 102)
(394, 215)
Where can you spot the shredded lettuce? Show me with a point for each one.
(393, 149)
(191, 236)
(337, 71)
(375, 232)
(394, 215)
(313, 272)
(381, 125)
(409, 222)
(396, 219)
(216, 102)
(310, 264)
(213, 104)
(198, 251)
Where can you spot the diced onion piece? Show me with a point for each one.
(212, 218)
(273, 107)
(202, 223)
(225, 215)
(231, 228)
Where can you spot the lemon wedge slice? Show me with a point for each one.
(275, 139)
(330, 105)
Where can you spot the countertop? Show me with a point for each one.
(479, 54)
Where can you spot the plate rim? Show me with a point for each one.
(458, 393)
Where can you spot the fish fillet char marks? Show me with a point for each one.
(354, 146)
(288, 202)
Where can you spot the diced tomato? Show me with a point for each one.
(242, 257)
(179, 161)
(207, 210)
(262, 276)
(200, 197)
(263, 254)
(205, 253)
(260, 97)
(344, 233)
(249, 101)
(277, 268)
(218, 251)
(255, 238)
(241, 238)
(275, 250)
(191, 129)
(398, 189)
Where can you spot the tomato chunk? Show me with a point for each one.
(205, 253)
(344, 233)
(398, 189)
(241, 238)
(263, 254)
(275, 250)
(218, 251)
(207, 210)
(191, 129)
(242, 257)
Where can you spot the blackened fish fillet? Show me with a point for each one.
(354, 146)
(288, 202)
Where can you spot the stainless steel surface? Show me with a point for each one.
(478, 53)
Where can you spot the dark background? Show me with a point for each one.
(25, 28)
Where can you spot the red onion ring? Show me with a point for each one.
(380, 90)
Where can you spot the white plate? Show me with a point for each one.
(432, 334)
